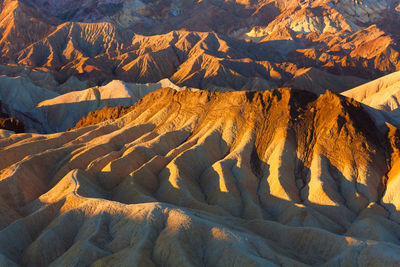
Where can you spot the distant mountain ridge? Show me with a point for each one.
(202, 44)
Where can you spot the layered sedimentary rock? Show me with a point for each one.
(183, 177)
(248, 178)
(249, 45)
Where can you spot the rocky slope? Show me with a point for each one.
(279, 177)
(383, 93)
(317, 81)
(183, 177)
(157, 16)
(204, 44)
(45, 111)
(104, 114)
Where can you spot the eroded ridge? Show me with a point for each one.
(200, 178)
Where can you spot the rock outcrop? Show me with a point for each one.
(105, 114)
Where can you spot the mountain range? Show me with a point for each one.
(199, 133)
(258, 44)
(279, 177)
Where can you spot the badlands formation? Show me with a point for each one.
(45, 111)
(199, 133)
(209, 44)
(279, 177)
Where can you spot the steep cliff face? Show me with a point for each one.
(280, 176)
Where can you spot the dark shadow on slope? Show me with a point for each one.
(60, 117)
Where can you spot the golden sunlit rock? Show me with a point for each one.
(280, 176)
(199, 133)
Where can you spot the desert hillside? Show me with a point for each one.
(280, 177)
(199, 133)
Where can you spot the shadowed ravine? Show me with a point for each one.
(199, 178)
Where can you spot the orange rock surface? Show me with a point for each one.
(248, 178)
